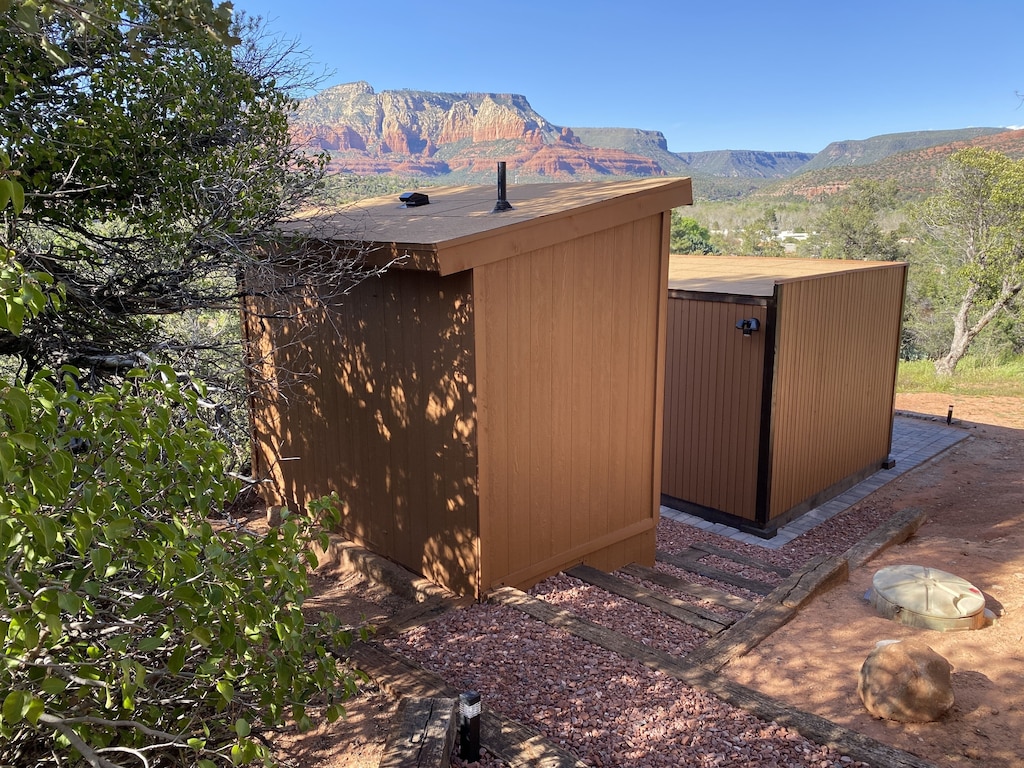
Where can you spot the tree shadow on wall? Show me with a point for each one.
(371, 395)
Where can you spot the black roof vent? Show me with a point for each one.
(413, 199)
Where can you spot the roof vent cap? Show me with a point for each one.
(413, 199)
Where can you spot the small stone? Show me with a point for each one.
(907, 682)
(274, 515)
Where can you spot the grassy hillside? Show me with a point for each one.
(726, 188)
(877, 148)
(916, 172)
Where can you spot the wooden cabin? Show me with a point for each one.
(489, 410)
(780, 383)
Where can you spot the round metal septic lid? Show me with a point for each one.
(927, 597)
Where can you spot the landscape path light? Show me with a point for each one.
(469, 726)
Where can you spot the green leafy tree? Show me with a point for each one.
(850, 228)
(155, 165)
(758, 238)
(161, 17)
(974, 230)
(147, 145)
(35, 42)
(688, 236)
(134, 630)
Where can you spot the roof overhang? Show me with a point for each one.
(756, 275)
(457, 230)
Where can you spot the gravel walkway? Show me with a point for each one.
(610, 710)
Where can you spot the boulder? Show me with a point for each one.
(906, 681)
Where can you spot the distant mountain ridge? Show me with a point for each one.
(868, 151)
(457, 137)
(460, 135)
(723, 162)
(447, 134)
(916, 171)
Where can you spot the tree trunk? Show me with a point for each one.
(964, 334)
(946, 366)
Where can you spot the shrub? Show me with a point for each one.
(135, 630)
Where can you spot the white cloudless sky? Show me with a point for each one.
(714, 74)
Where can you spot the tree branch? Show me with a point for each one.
(61, 726)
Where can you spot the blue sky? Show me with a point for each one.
(781, 75)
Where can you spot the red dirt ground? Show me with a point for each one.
(974, 498)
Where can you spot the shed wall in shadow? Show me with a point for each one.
(382, 411)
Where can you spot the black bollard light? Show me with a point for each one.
(469, 726)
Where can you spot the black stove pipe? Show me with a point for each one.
(503, 203)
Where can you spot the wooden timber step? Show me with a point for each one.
(819, 575)
(700, 591)
(690, 560)
(811, 726)
(512, 742)
(736, 557)
(695, 616)
(893, 531)
(418, 614)
(422, 734)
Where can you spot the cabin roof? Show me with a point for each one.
(457, 229)
(755, 275)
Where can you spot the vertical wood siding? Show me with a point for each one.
(567, 358)
(374, 399)
(713, 405)
(834, 380)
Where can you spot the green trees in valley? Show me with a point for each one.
(849, 228)
(758, 238)
(688, 236)
(974, 231)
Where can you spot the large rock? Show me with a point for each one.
(906, 681)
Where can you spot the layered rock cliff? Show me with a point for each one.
(460, 136)
(457, 134)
